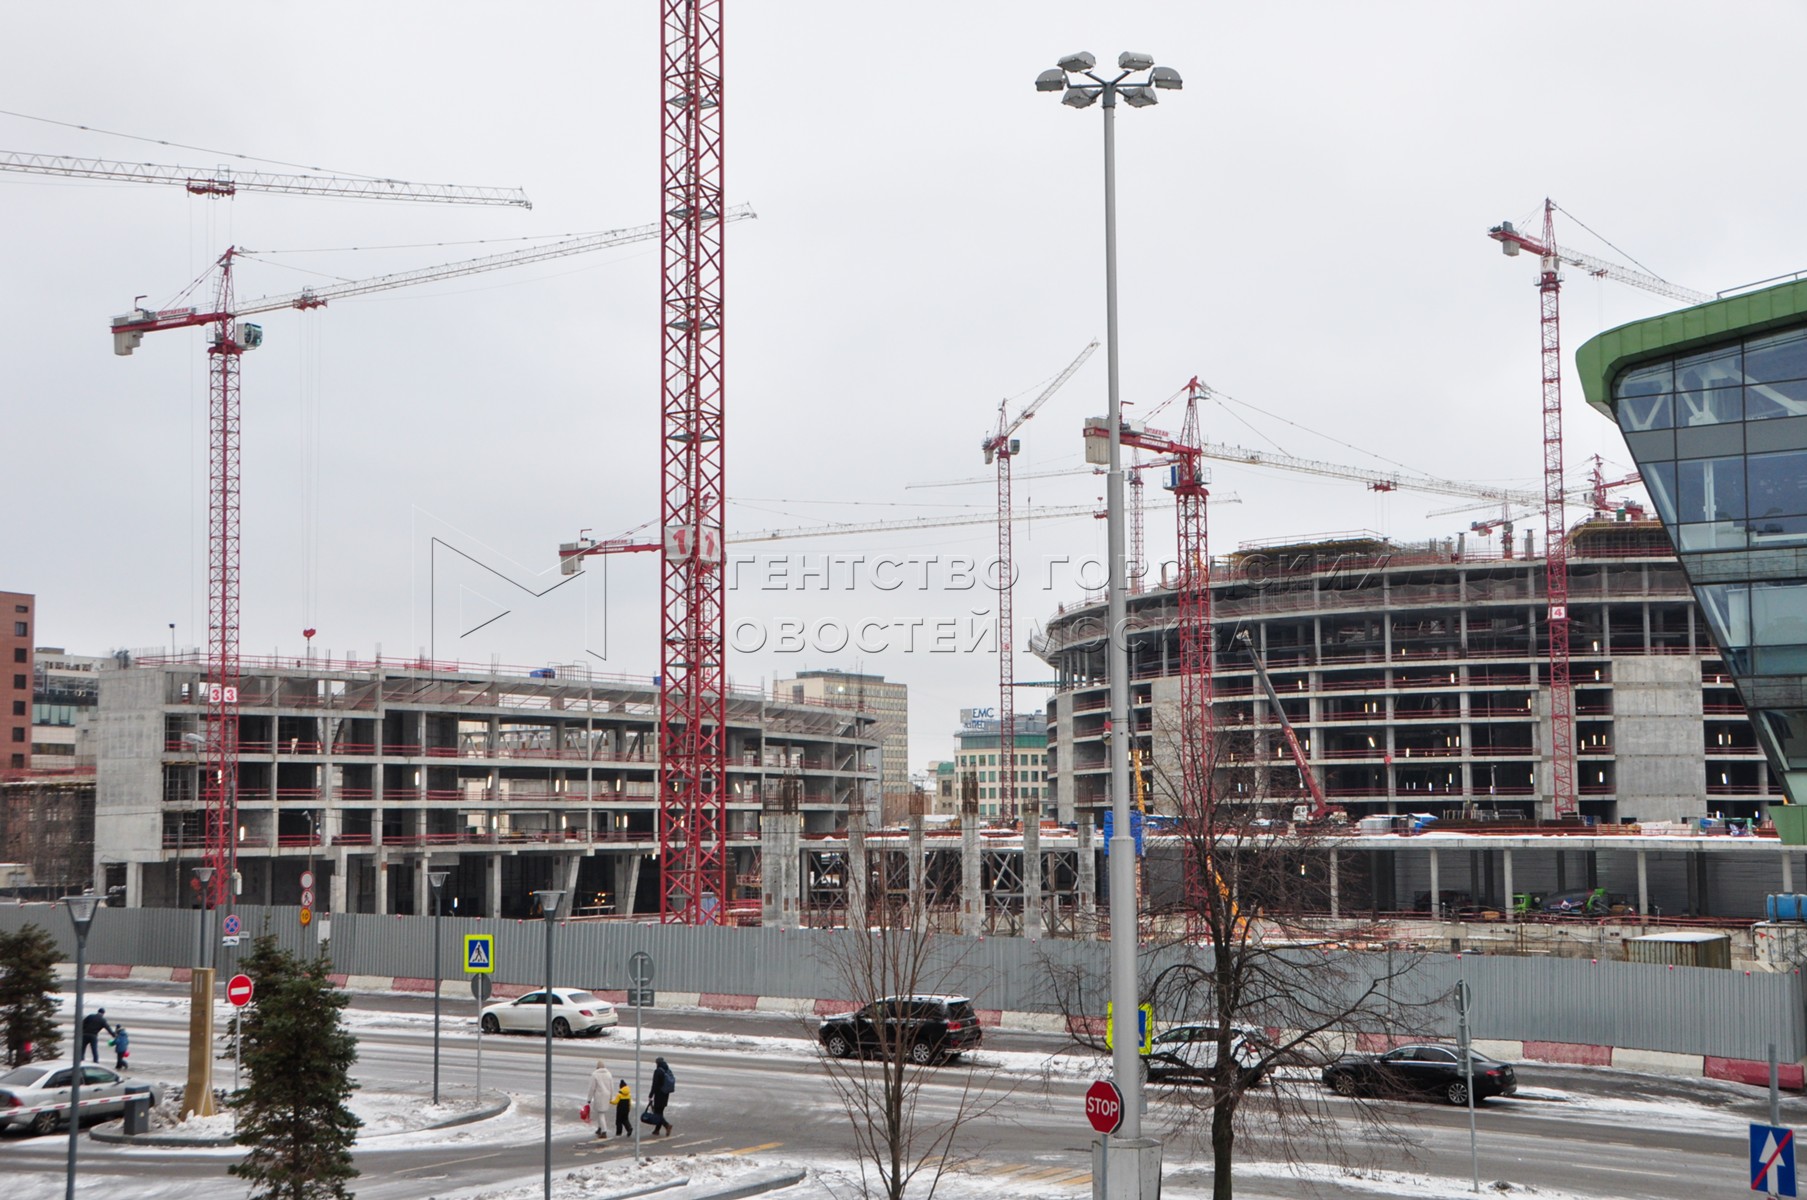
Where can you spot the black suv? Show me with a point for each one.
(933, 1028)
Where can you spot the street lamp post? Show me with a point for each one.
(203, 876)
(436, 880)
(197, 1097)
(81, 915)
(549, 899)
(1081, 87)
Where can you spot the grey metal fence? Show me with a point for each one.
(1686, 1010)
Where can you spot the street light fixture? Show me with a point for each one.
(203, 876)
(81, 915)
(1082, 92)
(549, 899)
(436, 880)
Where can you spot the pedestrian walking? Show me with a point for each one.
(624, 1110)
(121, 1046)
(664, 1084)
(92, 1024)
(596, 1100)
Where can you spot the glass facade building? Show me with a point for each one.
(1712, 402)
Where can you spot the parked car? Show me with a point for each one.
(25, 1088)
(1423, 1070)
(1188, 1053)
(574, 1014)
(935, 1028)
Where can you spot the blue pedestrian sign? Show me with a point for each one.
(479, 953)
(1772, 1160)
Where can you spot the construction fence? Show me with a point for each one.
(1682, 1010)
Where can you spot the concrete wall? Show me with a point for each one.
(1659, 752)
(128, 781)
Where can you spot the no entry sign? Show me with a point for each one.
(238, 990)
(1104, 1106)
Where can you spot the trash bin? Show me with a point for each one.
(137, 1111)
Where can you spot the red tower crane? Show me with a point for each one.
(231, 337)
(1001, 447)
(693, 753)
(1556, 567)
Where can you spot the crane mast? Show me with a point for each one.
(1001, 447)
(693, 854)
(1555, 531)
(220, 795)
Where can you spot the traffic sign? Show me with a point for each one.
(1144, 1027)
(229, 941)
(479, 953)
(307, 916)
(480, 986)
(1772, 1160)
(640, 997)
(1104, 1106)
(238, 990)
(640, 968)
(231, 927)
(307, 879)
(307, 897)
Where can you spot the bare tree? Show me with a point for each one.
(1239, 944)
(901, 1141)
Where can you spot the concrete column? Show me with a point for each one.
(780, 898)
(335, 890)
(1506, 871)
(1088, 877)
(1436, 884)
(1336, 898)
(858, 869)
(972, 903)
(382, 884)
(423, 894)
(1032, 876)
(632, 891)
(1787, 870)
(572, 863)
(1643, 883)
(918, 881)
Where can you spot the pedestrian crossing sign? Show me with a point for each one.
(479, 953)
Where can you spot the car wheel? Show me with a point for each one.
(561, 1028)
(1343, 1085)
(1457, 1092)
(838, 1045)
(922, 1053)
(43, 1123)
(489, 1023)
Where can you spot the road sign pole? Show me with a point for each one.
(640, 971)
(1775, 1088)
(1474, 1154)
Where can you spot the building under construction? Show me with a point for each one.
(368, 775)
(1416, 680)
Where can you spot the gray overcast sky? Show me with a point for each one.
(1303, 227)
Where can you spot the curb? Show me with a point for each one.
(783, 1177)
(104, 1134)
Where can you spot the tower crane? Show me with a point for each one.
(1000, 447)
(198, 181)
(231, 336)
(1551, 259)
(693, 679)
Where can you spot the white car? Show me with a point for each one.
(24, 1090)
(574, 1013)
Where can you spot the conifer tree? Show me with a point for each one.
(292, 1114)
(28, 961)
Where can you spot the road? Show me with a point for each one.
(749, 1085)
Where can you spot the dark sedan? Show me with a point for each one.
(1424, 1070)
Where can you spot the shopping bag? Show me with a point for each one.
(583, 1114)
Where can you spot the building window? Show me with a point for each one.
(18, 760)
(19, 682)
(18, 733)
(18, 708)
(18, 654)
(21, 629)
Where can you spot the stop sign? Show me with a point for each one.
(238, 990)
(1104, 1106)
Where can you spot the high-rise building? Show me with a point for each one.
(1712, 402)
(978, 756)
(65, 690)
(889, 704)
(18, 623)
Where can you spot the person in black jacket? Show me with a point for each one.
(92, 1024)
(664, 1084)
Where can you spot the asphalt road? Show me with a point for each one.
(1618, 1135)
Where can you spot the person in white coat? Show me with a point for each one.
(600, 1099)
